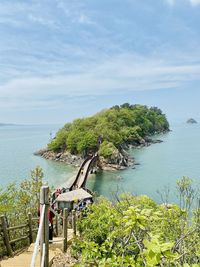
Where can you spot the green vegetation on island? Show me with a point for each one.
(110, 130)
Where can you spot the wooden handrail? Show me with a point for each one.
(17, 227)
(19, 239)
(43, 231)
(38, 238)
(6, 233)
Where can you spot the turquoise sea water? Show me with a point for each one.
(17, 145)
(160, 164)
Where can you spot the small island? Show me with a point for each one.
(6, 124)
(110, 132)
(191, 121)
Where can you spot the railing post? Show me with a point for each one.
(6, 236)
(56, 226)
(80, 218)
(74, 221)
(30, 226)
(65, 231)
(44, 200)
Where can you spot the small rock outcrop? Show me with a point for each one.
(65, 157)
(191, 121)
(119, 160)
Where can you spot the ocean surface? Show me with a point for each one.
(160, 164)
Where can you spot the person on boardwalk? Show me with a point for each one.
(50, 217)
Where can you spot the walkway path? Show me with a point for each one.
(24, 259)
(83, 172)
(81, 179)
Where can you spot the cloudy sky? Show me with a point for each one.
(62, 59)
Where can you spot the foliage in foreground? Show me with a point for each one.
(116, 126)
(16, 201)
(136, 231)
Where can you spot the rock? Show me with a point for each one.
(119, 160)
(156, 141)
(58, 155)
(64, 157)
(41, 152)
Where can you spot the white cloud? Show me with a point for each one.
(41, 20)
(192, 2)
(85, 19)
(195, 2)
(171, 2)
(126, 72)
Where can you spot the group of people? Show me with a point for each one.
(57, 193)
(83, 204)
(78, 206)
(51, 212)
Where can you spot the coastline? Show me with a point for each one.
(120, 161)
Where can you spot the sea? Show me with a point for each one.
(158, 168)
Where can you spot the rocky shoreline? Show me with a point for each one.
(118, 161)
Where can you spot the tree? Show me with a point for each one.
(17, 201)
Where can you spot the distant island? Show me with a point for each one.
(6, 124)
(191, 121)
(110, 132)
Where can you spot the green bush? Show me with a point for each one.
(106, 149)
(136, 231)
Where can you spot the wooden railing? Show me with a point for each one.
(42, 239)
(7, 233)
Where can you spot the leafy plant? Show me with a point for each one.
(136, 231)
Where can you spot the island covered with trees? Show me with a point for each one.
(110, 132)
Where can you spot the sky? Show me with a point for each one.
(63, 59)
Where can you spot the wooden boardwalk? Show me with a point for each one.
(83, 176)
(84, 170)
(24, 259)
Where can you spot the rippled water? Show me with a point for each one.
(160, 164)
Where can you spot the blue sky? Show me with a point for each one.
(62, 59)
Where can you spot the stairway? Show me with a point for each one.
(24, 259)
